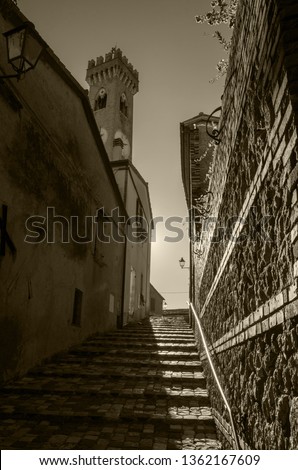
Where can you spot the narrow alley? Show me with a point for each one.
(141, 387)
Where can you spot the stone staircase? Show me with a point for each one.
(137, 388)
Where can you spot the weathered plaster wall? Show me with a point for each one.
(138, 251)
(246, 278)
(51, 156)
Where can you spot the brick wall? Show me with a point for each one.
(246, 276)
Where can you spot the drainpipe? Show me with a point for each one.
(148, 270)
(123, 283)
(125, 255)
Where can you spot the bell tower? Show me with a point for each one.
(113, 82)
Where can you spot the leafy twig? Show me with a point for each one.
(222, 12)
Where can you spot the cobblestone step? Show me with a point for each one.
(127, 390)
(152, 377)
(186, 333)
(180, 328)
(177, 346)
(199, 395)
(165, 340)
(159, 435)
(92, 363)
(162, 354)
(115, 358)
(167, 397)
(149, 330)
(103, 405)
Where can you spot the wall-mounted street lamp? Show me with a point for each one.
(182, 263)
(215, 132)
(24, 47)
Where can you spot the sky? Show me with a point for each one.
(176, 59)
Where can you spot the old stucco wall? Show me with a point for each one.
(246, 278)
(51, 156)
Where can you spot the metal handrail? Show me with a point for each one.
(237, 443)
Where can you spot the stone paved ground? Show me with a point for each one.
(137, 388)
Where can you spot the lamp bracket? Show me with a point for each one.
(216, 132)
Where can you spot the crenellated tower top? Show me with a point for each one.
(115, 64)
(113, 83)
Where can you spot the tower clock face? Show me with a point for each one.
(102, 93)
(126, 145)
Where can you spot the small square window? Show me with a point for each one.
(77, 308)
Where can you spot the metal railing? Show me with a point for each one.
(236, 439)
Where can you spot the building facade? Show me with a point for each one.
(156, 301)
(113, 83)
(59, 283)
(197, 153)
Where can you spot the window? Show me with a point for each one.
(152, 306)
(77, 308)
(101, 100)
(123, 104)
(112, 303)
(142, 298)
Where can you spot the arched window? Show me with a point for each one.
(123, 104)
(101, 100)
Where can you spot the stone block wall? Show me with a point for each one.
(246, 274)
